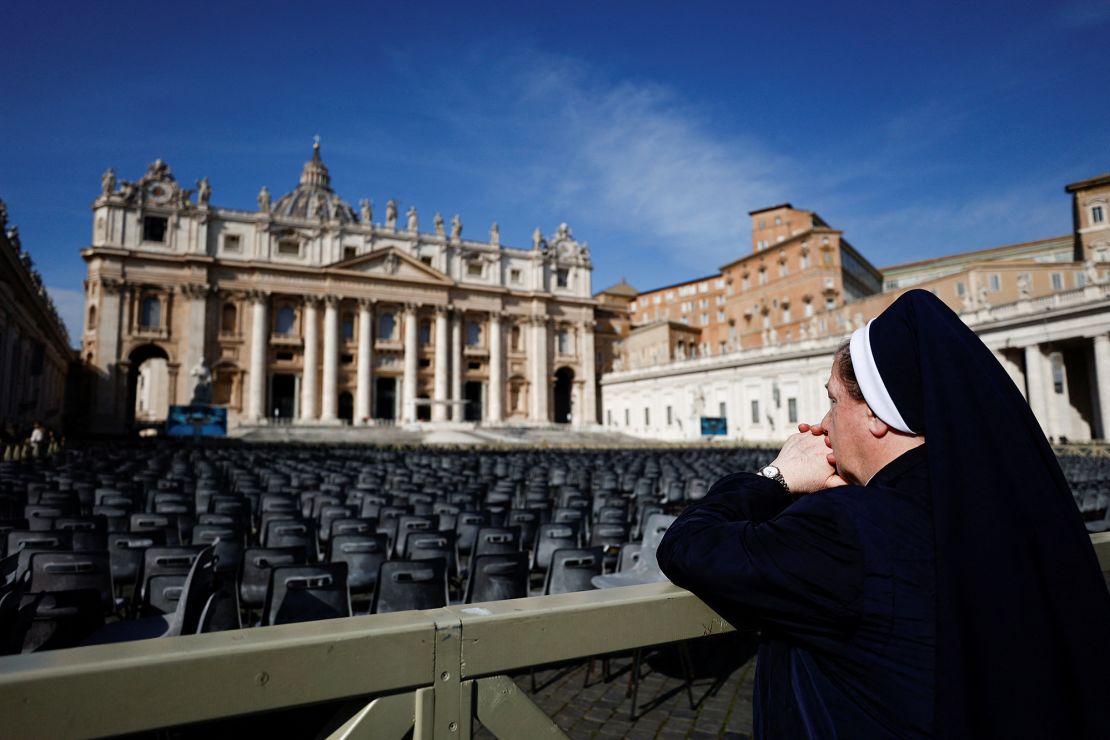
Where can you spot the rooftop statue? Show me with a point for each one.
(537, 238)
(413, 224)
(264, 199)
(108, 182)
(204, 192)
(391, 214)
(456, 227)
(495, 235)
(365, 208)
(439, 224)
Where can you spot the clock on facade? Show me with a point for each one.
(159, 192)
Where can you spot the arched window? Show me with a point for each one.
(564, 341)
(386, 326)
(150, 313)
(473, 333)
(286, 318)
(228, 319)
(425, 333)
(92, 318)
(348, 327)
(515, 339)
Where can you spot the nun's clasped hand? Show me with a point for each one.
(806, 462)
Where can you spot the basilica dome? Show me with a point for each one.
(313, 198)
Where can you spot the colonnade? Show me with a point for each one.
(320, 374)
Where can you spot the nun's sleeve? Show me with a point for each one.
(759, 559)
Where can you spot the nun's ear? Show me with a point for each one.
(876, 426)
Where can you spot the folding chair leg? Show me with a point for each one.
(634, 682)
(687, 670)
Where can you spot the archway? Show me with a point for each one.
(148, 385)
(564, 385)
(474, 395)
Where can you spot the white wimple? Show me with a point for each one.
(871, 383)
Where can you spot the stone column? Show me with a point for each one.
(108, 332)
(310, 384)
(541, 374)
(1036, 384)
(1102, 383)
(196, 300)
(494, 410)
(408, 388)
(589, 374)
(329, 402)
(443, 361)
(457, 366)
(365, 358)
(260, 334)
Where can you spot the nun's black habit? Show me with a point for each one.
(956, 595)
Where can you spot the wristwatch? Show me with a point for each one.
(770, 471)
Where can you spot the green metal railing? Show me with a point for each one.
(432, 671)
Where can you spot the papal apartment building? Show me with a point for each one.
(752, 343)
(308, 311)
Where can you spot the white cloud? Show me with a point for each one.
(71, 307)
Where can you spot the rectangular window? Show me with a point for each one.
(427, 260)
(995, 282)
(670, 416)
(154, 229)
(722, 410)
(755, 412)
(705, 319)
(786, 316)
(721, 316)
(562, 277)
(1097, 215)
(808, 308)
(474, 268)
(609, 417)
(830, 303)
(626, 419)
(792, 410)
(514, 277)
(647, 417)
(289, 247)
(350, 253)
(961, 289)
(232, 243)
(1080, 280)
(1057, 281)
(827, 258)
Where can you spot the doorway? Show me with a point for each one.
(283, 396)
(385, 398)
(346, 407)
(564, 384)
(148, 385)
(472, 393)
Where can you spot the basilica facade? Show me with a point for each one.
(306, 311)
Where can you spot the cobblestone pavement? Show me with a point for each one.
(601, 708)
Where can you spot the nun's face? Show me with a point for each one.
(847, 430)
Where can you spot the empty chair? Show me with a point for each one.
(291, 533)
(611, 537)
(495, 577)
(529, 521)
(306, 593)
(6, 526)
(26, 542)
(572, 569)
(629, 556)
(228, 542)
(89, 533)
(254, 579)
(409, 523)
(329, 514)
(352, 525)
(410, 584)
(467, 524)
(162, 577)
(144, 522)
(429, 545)
(363, 553)
(551, 537)
(126, 551)
(53, 570)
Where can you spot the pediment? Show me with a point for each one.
(392, 264)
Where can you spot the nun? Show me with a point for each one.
(915, 565)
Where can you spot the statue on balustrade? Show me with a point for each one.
(391, 214)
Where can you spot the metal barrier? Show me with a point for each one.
(433, 671)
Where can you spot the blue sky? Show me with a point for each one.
(652, 128)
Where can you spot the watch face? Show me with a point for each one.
(159, 192)
(769, 472)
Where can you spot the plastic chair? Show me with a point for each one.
(496, 577)
(254, 578)
(410, 584)
(363, 553)
(306, 593)
(572, 570)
